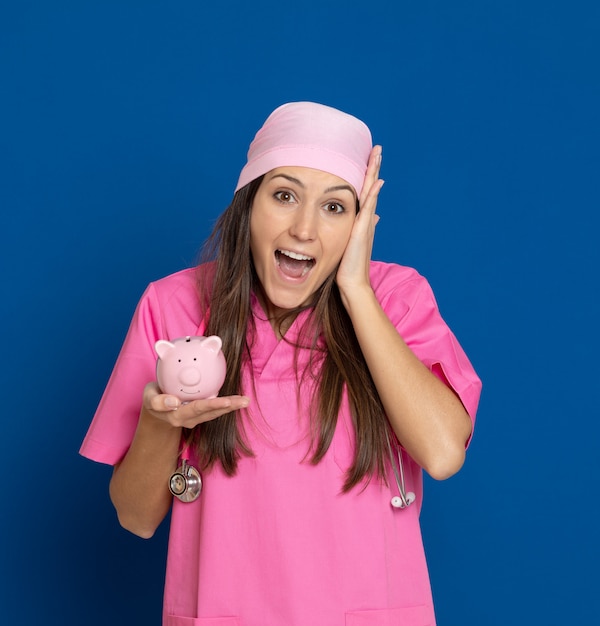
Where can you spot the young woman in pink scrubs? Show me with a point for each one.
(343, 384)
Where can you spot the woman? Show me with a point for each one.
(343, 383)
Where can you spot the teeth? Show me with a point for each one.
(295, 255)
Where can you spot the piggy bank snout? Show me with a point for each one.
(191, 367)
(190, 376)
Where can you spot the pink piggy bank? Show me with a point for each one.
(190, 368)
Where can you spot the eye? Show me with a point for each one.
(334, 207)
(285, 197)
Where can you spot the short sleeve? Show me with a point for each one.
(169, 308)
(409, 302)
(112, 429)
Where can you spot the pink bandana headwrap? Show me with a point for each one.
(307, 134)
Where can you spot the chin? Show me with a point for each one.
(281, 304)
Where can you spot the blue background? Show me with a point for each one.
(124, 127)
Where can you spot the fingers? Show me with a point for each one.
(370, 203)
(353, 271)
(172, 410)
(372, 183)
(207, 410)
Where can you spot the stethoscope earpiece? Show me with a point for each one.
(406, 498)
(399, 503)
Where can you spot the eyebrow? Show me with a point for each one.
(298, 182)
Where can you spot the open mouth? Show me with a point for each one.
(293, 264)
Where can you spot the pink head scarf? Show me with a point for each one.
(307, 134)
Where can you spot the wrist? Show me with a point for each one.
(156, 425)
(357, 297)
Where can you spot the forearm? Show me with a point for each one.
(426, 415)
(139, 485)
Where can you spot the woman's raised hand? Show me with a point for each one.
(353, 271)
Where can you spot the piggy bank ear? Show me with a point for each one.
(213, 343)
(163, 347)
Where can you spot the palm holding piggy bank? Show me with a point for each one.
(191, 368)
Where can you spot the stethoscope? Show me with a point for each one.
(186, 483)
(405, 498)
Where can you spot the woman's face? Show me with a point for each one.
(299, 227)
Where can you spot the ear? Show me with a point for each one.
(212, 343)
(163, 347)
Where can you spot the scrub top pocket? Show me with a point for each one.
(408, 616)
(173, 620)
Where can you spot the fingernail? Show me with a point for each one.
(171, 402)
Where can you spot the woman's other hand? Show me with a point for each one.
(173, 411)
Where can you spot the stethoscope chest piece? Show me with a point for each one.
(186, 483)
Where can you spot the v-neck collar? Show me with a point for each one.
(267, 348)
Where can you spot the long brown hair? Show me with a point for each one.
(225, 293)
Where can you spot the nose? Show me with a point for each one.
(304, 224)
(189, 376)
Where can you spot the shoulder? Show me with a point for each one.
(400, 280)
(182, 284)
(173, 302)
(382, 272)
(181, 287)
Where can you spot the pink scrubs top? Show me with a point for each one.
(279, 544)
